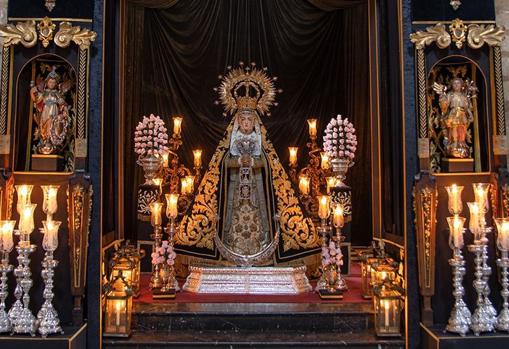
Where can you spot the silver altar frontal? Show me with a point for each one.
(247, 280)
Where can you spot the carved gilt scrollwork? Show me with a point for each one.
(437, 34)
(480, 34)
(68, 33)
(79, 200)
(46, 28)
(23, 33)
(425, 206)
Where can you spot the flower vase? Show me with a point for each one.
(340, 167)
(151, 165)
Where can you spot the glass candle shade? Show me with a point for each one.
(481, 191)
(130, 269)
(166, 157)
(304, 185)
(172, 205)
(323, 206)
(473, 222)
(312, 127)
(331, 183)
(157, 182)
(26, 219)
(503, 233)
(387, 304)
(117, 317)
(24, 192)
(293, 156)
(197, 157)
(156, 209)
(50, 203)
(338, 218)
(50, 240)
(324, 161)
(187, 185)
(456, 224)
(177, 125)
(455, 205)
(6, 240)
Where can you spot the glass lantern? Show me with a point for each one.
(387, 304)
(367, 260)
(383, 270)
(118, 308)
(126, 260)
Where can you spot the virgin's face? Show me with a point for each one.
(246, 123)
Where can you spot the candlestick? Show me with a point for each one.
(455, 204)
(197, 158)
(503, 263)
(155, 213)
(172, 205)
(177, 125)
(26, 219)
(473, 223)
(293, 156)
(312, 128)
(49, 323)
(323, 206)
(24, 193)
(304, 184)
(6, 244)
(50, 203)
(324, 163)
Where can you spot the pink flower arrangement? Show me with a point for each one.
(340, 140)
(332, 255)
(164, 254)
(150, 137)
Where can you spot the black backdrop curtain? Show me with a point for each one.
(320, 55)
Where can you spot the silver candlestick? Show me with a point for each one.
(155, 280)
(460, 318)
(340, 282)
(503, 317)
(17, 307)
(489, 309)
(49, 323)
(169, 280)
(5, 267)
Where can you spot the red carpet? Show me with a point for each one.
(353, 295)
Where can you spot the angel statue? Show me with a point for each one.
(457, 115)
(51, 112)
(246, 211)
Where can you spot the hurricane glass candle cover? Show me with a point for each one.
(455, 205)
(24, 192)
(293, 156)
(312, 128)
(324, 161)
(187, 185)
(172, 205)
(387, 304)
(177, 125)
(50, 203)
(503, 263)
(6, 245)
(323, 207)
(118, 303)
(304, 182)
(197, 158)
(367, 260)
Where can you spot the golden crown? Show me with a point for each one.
(247, 87)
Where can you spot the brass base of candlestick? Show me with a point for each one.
(330, 294)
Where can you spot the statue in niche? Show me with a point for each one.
(456, 115)
(51, 112)
(245, 210)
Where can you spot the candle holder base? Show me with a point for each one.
(330, 294)
(25, 324)
(460, 319)
(503, 320)
(5, 322)
(15, 311)
(481, 321)
(49, 322)
(167, 293)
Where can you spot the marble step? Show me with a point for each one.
(266, 317)
(253, 339)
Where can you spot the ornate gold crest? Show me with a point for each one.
(46, 28)
(458, 32)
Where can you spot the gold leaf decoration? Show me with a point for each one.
(68, 33)
(20, 33)
(480, 34)
(458, 32)
(437, 33)
(46, 28)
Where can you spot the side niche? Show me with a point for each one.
(45, 117)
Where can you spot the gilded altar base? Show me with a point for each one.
(248, 280)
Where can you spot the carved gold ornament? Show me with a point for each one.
(20, 33)
(81, 37)
(46, 28)
(478, 35)
(438, 33)
(50, 4)
(458, 32)
(455, 4)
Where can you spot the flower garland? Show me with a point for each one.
(340, 140)
(150, 137)
(164, 254)
(332, 255)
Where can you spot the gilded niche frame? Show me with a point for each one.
(28, 34)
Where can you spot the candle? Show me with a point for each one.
(24, 192)
(323, 206)
(481, 194)
(187, 185)
(118, 308)
(26, 219)
(50, 204)
(172, 205)
(312, 127)
(197, 157)
(456, 228)
(473, 223)
(338, 216)
(50, 240)
(6, 229)
(387, 306)
(324, 164)
(304, 185)
(331, 183)
(454, 204)
(157, 182)
(165, 159)
(503, 233)
(155, 216)
(177, 125)
(293, 156)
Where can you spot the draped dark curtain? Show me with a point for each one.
(318, 49)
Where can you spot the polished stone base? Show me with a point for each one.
(248, 280)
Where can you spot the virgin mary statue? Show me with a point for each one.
(245, 211)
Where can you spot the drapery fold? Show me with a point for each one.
(319, 54)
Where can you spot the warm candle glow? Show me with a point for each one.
(172, 205)
(473, 223)
(338, 216)
(157, 181)
(197, 157)
(503, 233)
(6, 241)
(455, 204)
(156, 209)
(187, 185)
(166, 156)
(177, 125)
(304, 185)
(387, 306)
(24, 192)
(323, 206)
(26, 219)
(481, 191)
(50, 240)
(312, 127)
(331, 183)
(50, 203)
(293, 155)
(324, 163)
(456, 231)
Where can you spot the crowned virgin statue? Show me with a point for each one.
(245, 211)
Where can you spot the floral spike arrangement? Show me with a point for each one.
(340, 140)
(150, 137)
